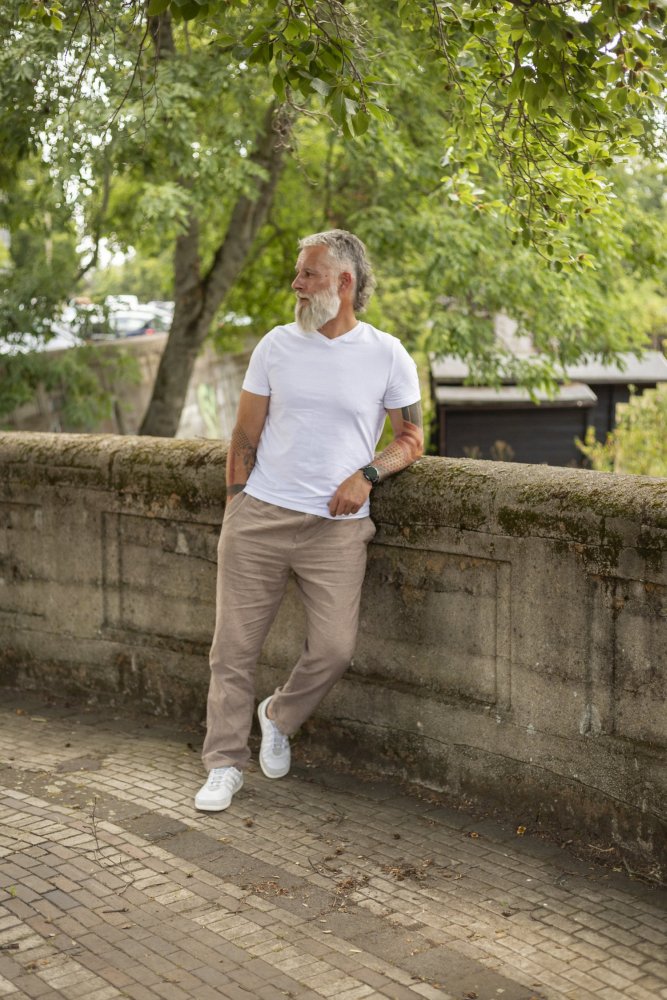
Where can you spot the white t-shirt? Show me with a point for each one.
(327, 410)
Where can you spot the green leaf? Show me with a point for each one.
(295, 28)
(337, 108)
(634, 126)
(279, 88)
(380, 113)
(261, 54)
(157, 7)
(360, 123)
(320, 86)
(257, 33)
(517, 85)
(332, 58)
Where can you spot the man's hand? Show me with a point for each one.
(350, 496)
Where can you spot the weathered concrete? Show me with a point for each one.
(514, 623)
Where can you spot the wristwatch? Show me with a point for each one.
(370, 473)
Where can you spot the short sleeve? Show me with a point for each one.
(257, 376)
(403, 385)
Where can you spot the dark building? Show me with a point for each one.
(611, 384)
(505, 423)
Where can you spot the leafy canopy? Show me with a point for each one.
(550, 91)
(478, 147)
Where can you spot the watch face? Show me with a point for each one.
(371, 474)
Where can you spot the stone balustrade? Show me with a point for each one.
(513, 639)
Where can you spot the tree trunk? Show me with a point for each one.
(198, 297)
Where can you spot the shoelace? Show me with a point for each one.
(280, 742)
(217, 776)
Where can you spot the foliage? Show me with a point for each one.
(42, 260)
(150, 278)
(638, 444)
(550, 91)
(82, 380)
(478, 147)
(446, 269)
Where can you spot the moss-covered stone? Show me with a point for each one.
(651, 546)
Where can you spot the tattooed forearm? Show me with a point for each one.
(240, 460)
(407, 446)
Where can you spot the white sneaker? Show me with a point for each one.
(274, 752)
(222, 783)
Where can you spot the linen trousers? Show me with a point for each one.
(260, 544)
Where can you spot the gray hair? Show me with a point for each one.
(348, 251)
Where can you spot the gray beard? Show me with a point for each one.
(319, 309)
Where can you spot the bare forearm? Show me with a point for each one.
(240, 461)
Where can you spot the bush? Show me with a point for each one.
(638, 444)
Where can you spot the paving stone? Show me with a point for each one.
(316, 886)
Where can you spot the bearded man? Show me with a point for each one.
(300, 469)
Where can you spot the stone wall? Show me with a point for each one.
(210, 404)
(513, 641)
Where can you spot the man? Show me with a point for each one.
(300, 469)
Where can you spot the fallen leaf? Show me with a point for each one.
(520, 830)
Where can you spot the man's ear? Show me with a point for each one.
(344, 281)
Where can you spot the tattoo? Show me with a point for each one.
(413, 413)
(240, 460)
(406, 446)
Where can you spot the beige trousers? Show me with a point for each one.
(259, 545)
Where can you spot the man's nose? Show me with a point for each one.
(296, 284)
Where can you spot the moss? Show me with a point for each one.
(598, 546)
(518, 522)
(172, 473)
(608, 552)
(608, 496)
(651, 547)
(443, 492)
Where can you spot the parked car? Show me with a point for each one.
(136, 322)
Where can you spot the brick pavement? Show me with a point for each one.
(320, 885)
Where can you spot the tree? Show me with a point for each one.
(446, 265)
(550, 89)
(517, 110)
(638, 444)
